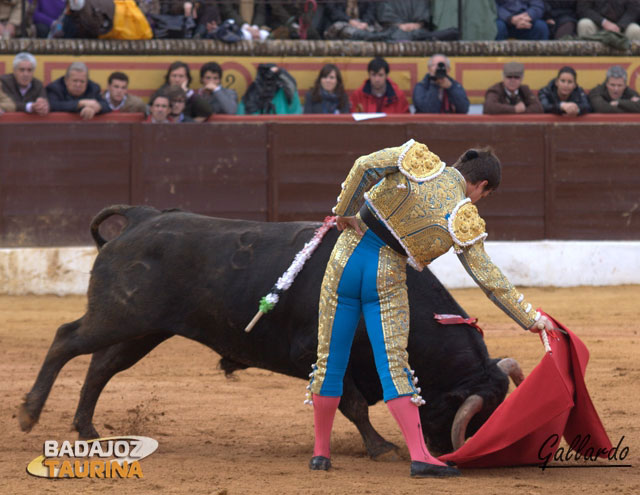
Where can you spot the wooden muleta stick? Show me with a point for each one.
(544, 337)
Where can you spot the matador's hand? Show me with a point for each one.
(546, 324)
(345, 222)
(543, 323)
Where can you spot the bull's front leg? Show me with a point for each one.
(355, 408)
(62, 349)
(105, 363)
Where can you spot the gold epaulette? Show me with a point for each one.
(418, 163)
(465, 224)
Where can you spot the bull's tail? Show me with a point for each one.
(133, 215)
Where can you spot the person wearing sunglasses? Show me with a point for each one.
(510, 95)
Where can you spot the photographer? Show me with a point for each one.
(438, 92)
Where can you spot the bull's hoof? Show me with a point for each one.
(27, 421)
(87, 433)
(425, 470)
(389, 453)
(319, 463)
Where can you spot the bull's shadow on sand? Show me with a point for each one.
(176, 273)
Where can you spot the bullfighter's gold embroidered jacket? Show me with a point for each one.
(424, 205)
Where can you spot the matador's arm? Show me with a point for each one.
(366, 171)
(496, 285)
(468, 232)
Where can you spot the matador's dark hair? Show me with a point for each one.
(478, 164)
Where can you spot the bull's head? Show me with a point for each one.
(450, 419)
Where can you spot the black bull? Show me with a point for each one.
(176, 273)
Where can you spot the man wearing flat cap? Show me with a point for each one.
(510, 95)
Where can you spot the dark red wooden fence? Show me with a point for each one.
(562, 179)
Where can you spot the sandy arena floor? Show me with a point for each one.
(253, 434)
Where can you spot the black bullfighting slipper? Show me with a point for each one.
(424, 470)
(320, 463)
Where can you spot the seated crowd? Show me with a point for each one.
(275, 91)
(376, 20)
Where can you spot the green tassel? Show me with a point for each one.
(266, 306)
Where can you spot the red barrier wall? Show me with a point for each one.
(562, 178)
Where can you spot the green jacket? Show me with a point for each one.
(601, 101)
(280, 104)
(478, 18)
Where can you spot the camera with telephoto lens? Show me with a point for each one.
(441, 72)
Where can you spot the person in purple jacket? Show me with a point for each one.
(45, 13)
(521, 19)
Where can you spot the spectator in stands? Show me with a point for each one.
(45, 14)
(619, 16)
(177, 103)
(179, 75)
(208, 18)
(75, 92)
(614, 96)
(561, 18)
(379, 93)
(478, 18)
(10, 18)
(117, 95)
(159, 108)
(328, 94)
(510, 95)
(87, 19)
(293, 19)
(438, 92)
(25, 93)
(149, 7)
(221, 100)
(274, 91)
(563, 96)
(6, 103)
(250, 15)
(521, 19)
(181, 15)
(405, 19)
(350, 20)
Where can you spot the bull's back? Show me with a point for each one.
(203, 278)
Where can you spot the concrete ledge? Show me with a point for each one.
(65, 271)
(552, 263)
(59, 271)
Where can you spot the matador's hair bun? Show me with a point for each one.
(470, 155)
(480, 164)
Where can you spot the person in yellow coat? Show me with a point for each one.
(129, 23)
(397, 206)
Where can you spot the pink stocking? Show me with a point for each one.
(324, 410)
(406, 415)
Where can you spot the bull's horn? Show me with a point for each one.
(511, 368)
(472, 405)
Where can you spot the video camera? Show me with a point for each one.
(441, 72)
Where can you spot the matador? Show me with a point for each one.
(400, 205)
